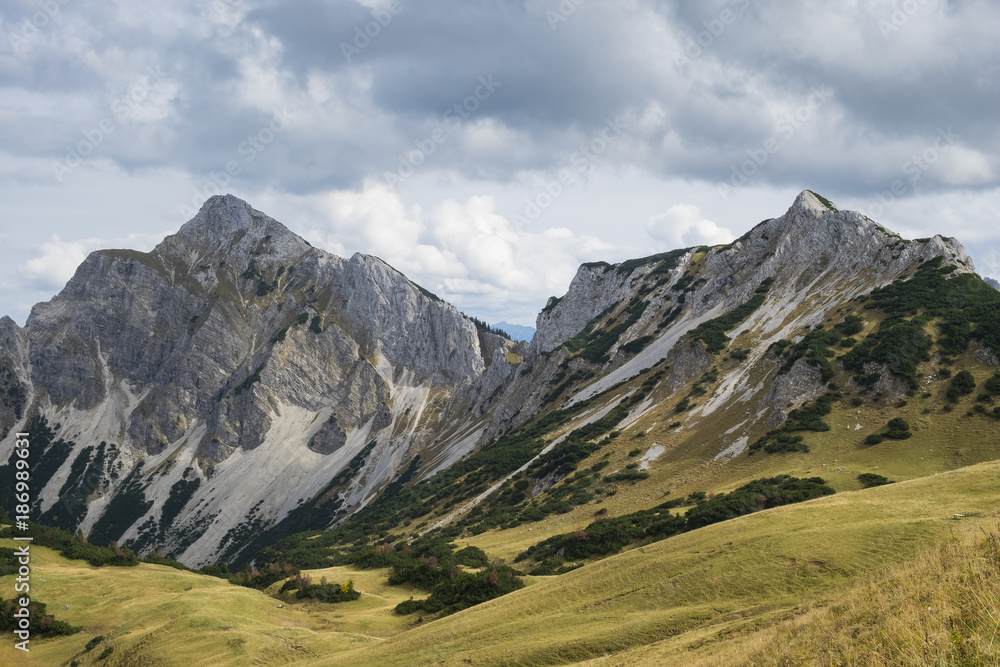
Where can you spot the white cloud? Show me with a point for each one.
(464, 251)
(58, 261)
(683, 226)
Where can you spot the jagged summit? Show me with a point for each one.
(808, 202)
(227, 223)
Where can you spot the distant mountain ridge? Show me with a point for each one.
(516, 331)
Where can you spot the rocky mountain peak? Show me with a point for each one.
(228, 224)
(809, 204)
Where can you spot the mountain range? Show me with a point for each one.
(236, 389)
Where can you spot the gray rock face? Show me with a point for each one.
(234, 335)
(814, 257)
(236, 371)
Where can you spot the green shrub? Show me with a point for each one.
(40, 624)
(870, 479)
(329, 593)
(897, 429)
(786, 443)
(465, 590)
(963, 383)
(992, 385)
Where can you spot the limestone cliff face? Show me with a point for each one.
(236, 375)
(235, 335)
(813, 257)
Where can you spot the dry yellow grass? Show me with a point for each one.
(940, 608)
(725, 592)
(701, 593)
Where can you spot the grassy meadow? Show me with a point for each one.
(781, 586)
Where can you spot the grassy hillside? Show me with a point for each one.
(700, 590)
(709, 594)
(157, 615)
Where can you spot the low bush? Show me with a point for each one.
(870, 479)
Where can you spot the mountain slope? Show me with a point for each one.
(705, 368)
(211, 385)
(707, 594)
(236, 386)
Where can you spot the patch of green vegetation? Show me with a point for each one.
(610, 535)
(465, 590)
(869, 480)
(596, 265)
(898, 344)
(992, 385)
(823, 200)
(962, 384)
(666, 261)
(808, 417)
(315, 325)
(83, 480)
(896, 429)
(816, 346)
(483, 326)
(551, 303)
(784, 442)
(180, 494)
(713, 332)
(966, 306)
(638, 345)
(593, 344)
(324, 592)
(40, 623)
(127, 506)
(75, 546)
(45, 457)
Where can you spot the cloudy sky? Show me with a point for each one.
(488, 147)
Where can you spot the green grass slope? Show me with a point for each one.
(689, 597)
(700, 588)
